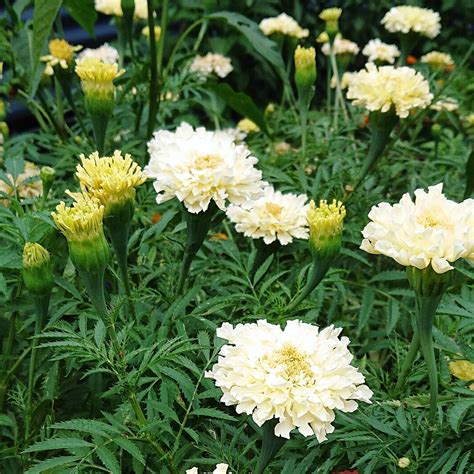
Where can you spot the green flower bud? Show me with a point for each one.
(436, 130)
(305, 67)
(37, 272)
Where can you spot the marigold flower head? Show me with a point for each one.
(384, 88)
(341, 46)
(199, 166)
(437, 59)
(248, 126)
(212, 63)
(326, 219)
(446, 104)
(114, 7)
(37, 272)
(25, 184)
(274, 216)
(406, 19)
(60, 52)
(304, 57)
(283, 24)
(430, 231)
(298, 375)
(462, 370)
(403, 463)
(110, 179)
(330, 14)
(376, 50)
(345, 80)
(97, 71)
(106, 53)
(81, 221)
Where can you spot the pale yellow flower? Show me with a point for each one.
(330, 14)
(60, 52)
(376, 50)
(248, 126)
(341, 46)
(406, 19)
(106, 53)
(110, 179)
(437, 59)
(114, 7)
(212, 63)
(283, 24)
(345, 80)
(403, 463)
(30, 189)
(447, 104)
(97, 76)
(462, 370)
(384, 88)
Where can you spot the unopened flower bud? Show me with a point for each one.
(3, 110)
(305, 67)
(331, 17)
(436, 130)
(37, 272)
(325, 228)
(403, 463)
(4, 130)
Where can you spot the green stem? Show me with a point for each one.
(197, 229)
(42, 305)
(59, 102)
(339, 96)
(44, 104)
(263, 252)
(408, 362)
(99, 125)
(7, 350)
(271, 444)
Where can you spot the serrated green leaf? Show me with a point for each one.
(457, 412)
(52, 463)
(131, 449)
(108, 459)
(59, 443)
(212, 413)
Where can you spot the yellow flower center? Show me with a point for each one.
(207, 162)
(293, 361)
(433, 222)
(327, 219)
(273, 209)
(61, 49)
(34, 255)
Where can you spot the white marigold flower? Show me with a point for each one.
(385, 87)
(345, 80)
(376, 50)
(106, 53)
(430, 231)
(437, 58)
(221, 468)
(341, 46)
(406, 19)
(212, 63)
(198, 166)
(114, 7)
(298, 375)
(274, 216)
(448, 104)
(283, 24)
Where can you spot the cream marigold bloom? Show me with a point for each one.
(198, 166)
(376, 50)
(274, 216)
(97, 76)
(114, 7)
(60, 52)
(106, 53)
(341, 46)
(221, 468)
(330, 14)
(212, 63)
(298, 375)
(110, 179)
(406, 19)
(248, 126)
(438, 59)
(283, 24)
(448, 104)
(430, 231)
(82, 221)
(26, 186)
(385, 87)
(345, 80)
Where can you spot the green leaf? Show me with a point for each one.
(457, 411)
(383, 427)
(44, 14)
(52, 463)
(131, 449)
(469, 176)
(15, 165)
(93, 427)
(99, 333)
(367, 304)
(212, 413)
(264, 46)
(83, 12)
(59, 443)
(240, 103)
(463, 463)
(450, 462)
(108, 459)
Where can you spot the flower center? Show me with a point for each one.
(273, 209)
(61, 49)
(434, 222)
(207, 162)
(293, 361)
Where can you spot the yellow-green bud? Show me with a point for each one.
(305, 66)
(325, 228)
(436, 130)
(37, 272)
(403, 463)
(47, 175)
(331, 17)
(4, 130)
(3, 110)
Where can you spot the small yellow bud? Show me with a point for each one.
(403, 463)
(462, 370)
(37, 273)
(270, 108)
(330, 14)
(246, 125)
(305, 67)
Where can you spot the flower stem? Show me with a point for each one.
(408, 362)
(339, 97)
(263, 252)
(42, 305)
(270, 446)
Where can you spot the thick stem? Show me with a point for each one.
(99, 124)
(408, 362)
(271, 444)
(197, 229)
(42, 305)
